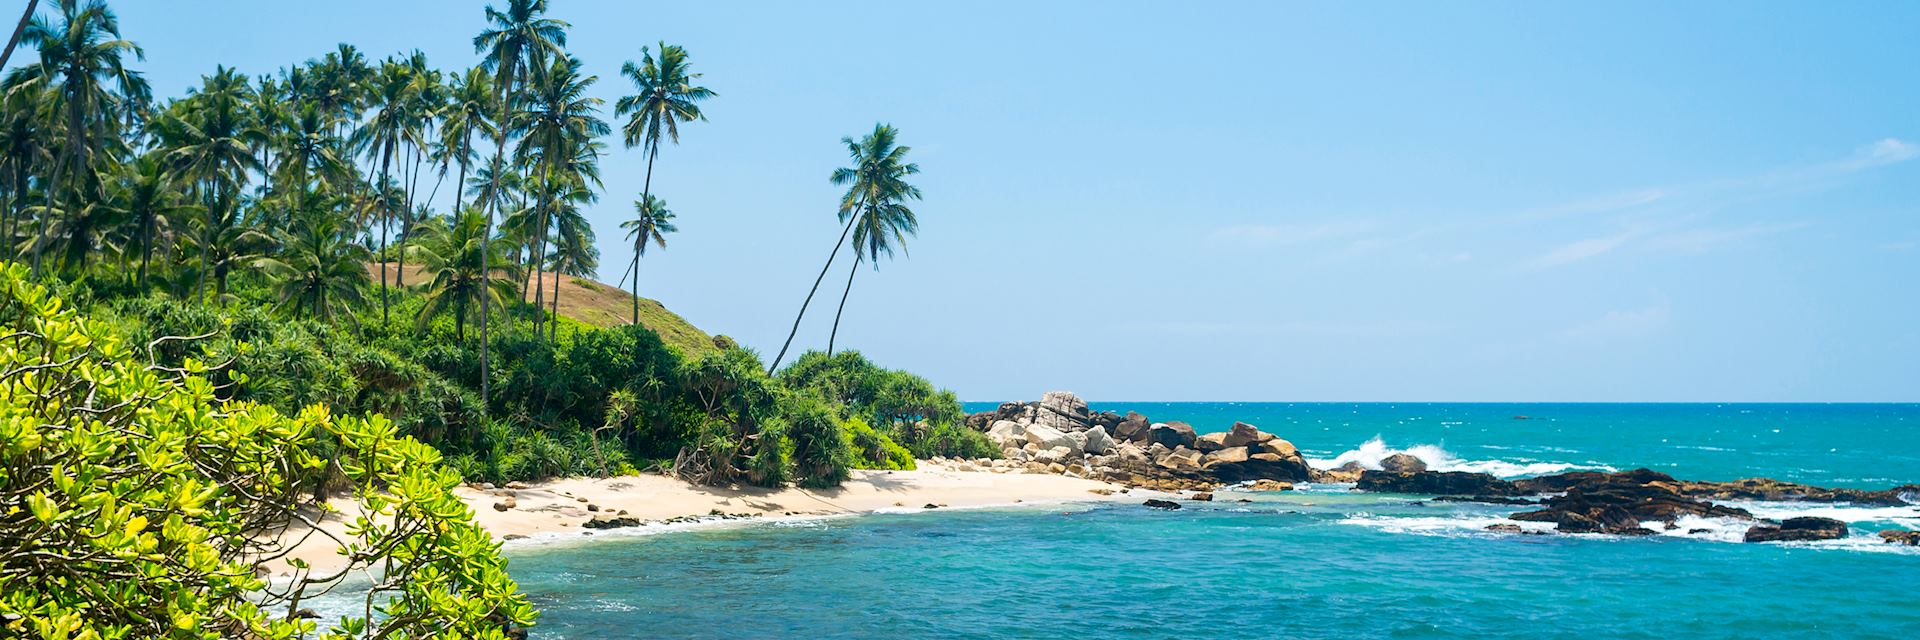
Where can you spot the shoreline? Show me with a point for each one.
(558, 509)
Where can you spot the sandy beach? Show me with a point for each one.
(560, 507)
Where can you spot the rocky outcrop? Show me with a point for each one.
(1771, 490)
(1616, 503)
(1403, 463)
(1162, 504)
(1897, 536)
(1798, 530)
(1436, 483)
(1062, 410)
(1171, 434)
(1131, 428)
(1346, 473)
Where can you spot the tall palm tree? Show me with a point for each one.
(515, 39)
(319, 269)
(23, 145)
(666, 97)
(80, 56)
(312, 154)
(877, 178)
(209, 148)
(428, 97)
(145, 194)
(652, 222)
(469, 110)
(557, 121)
(879, 228)
(391, 101)
(574, 253)
(26, 17)
(454, 266)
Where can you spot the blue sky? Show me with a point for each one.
(1266, 201)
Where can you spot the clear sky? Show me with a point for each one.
(1264, 201)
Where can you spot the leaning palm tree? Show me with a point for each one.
(651, 223)
(80, 56)
(876, 179)
(516, 39)
(573, 253)
(459, 275)
(666, 98)
(319, 269)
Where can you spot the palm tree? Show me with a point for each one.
(79, 57)
(666, 97)
(651, 223)
(469, 111)
(23, 144)
(428, 97)
(208, 146)
(313, 154)
(876, 179)
(320, 270)
(516, 39)
(145, 194)
(17, 30)
(391, 100)
(452, 259)
(558, 124)
(574, 253)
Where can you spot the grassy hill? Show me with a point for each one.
(603, 305)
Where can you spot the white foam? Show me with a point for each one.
(1441, 525)
(1907, 516)
(1437, 458)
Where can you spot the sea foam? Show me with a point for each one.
(1370, 453)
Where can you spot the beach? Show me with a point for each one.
(561, 507)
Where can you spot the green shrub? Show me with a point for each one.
(822, 448)
(874, 450)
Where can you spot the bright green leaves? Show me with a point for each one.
(131, 498)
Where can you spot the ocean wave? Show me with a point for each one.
(1449, 526)
(1370, 453)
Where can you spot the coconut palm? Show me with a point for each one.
(652, 222)
(558, 122)
(26, 17)
(319, 270)
(311, 154)
(574, 253)
(391, 100)
(469, 110)
(23, 145)
(516, 39)
(145, 195)
(205, 135)
(80, 56)
(876, 179)
(666, 97)
(453, 266)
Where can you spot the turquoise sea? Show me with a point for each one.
(1319, 563)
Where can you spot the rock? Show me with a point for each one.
(1133, 427)
(1106, 420)
(506, 504)
(1435, 483)
(1261, 466)
(306, 614)
(1615, 503)
(1277, 447)
(1173, 435)
(513, 536)
(1242, 434)
(611, 522)
(1132, 455)
(1897, 536)
(1181, 459)
(1349, 472)
(1270, 485)
(1046, 437)
(1771, 490)
(1036, 467)
(516, 485)
(593, 507)
(1162, 504)
(1056, 468)
(1210, 442)
(1486, 500)
(1204, 496)
(1798, 529)
(1514, 528)
(486, 486)
(1224, 456)
(931, 506)
(1403, 463)
(1098, 442)
(1062, 410)
(1100, 492)
(1007, 433)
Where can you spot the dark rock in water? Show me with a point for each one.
(1172, 435)
(1772, 490)
(1162, 504)
(1514, 528)
(1204, 496)
(1695, 532)
(931, 506)
(306, 614)
(1896, 536)
(1486, 499)
(1403, 463)
(1349, 472)
(611, 522)
(1436, 483)
(1262, 466)
(1799, 529)
(1616, 503)
(1132, 428)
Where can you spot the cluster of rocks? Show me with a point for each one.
(1058, 434)
(1622, 503)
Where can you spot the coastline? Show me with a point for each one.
(559, 508)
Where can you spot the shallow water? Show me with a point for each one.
(1319, 563)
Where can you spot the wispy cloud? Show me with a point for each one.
(1581, 250)
(1293, 234)
(1622, 323)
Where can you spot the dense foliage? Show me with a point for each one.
(130, 495)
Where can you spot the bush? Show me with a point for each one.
(874, 450)
(822, 449)
(131, 494)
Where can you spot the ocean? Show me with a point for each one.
(1322, 562)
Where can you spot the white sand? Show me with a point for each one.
(559, 507)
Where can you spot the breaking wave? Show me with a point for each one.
(1370, 453)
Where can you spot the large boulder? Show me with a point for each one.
(1403, 463)
(1105, 419)
(1210, 442)
(1223, 456)
(1452, 483)
(1098, 442)
(1062, 410)
(1900, 536)
(1133, 427)
(1615, 502)
(1172, 434)
(1048, 437)
(1008, 433)
(1260, 466)
(1180, 459)
(1242, 434)
(1349, 472)
(1276, 446)
(1798, 530)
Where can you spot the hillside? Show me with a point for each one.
(604, 305)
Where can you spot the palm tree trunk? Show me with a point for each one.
(53, 203)
(816, 289)
(553, 328)
(646, 200)
(843, 303)
(386, 159)
(17, 30)
(146, 248)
